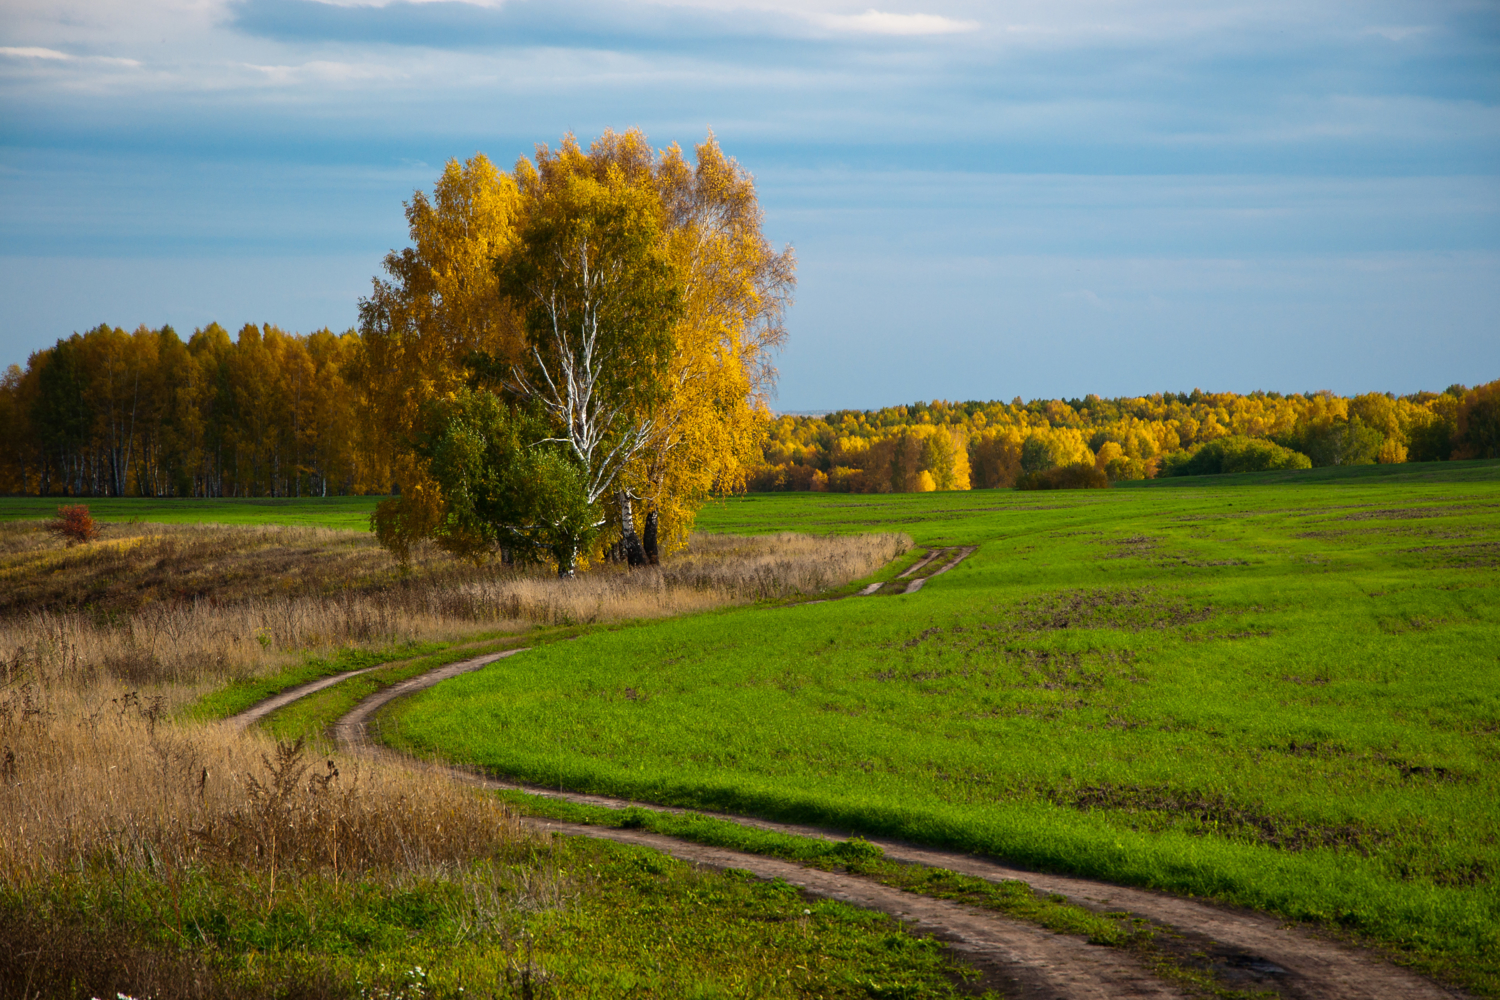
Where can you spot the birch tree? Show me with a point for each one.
(592, 277)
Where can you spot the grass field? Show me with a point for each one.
(1408, 473)
(347, 513)
(1284, 696)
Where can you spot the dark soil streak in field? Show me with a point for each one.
(1246, 950)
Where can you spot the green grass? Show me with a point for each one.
(418, 657)
(310, 717)
(1285, 697)
(236, 696)
(1167, 954)
(586, 918)
(345, 513)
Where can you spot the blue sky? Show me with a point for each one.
(986, 199)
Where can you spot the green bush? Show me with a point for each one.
(1478, 432)
(1337, 442)
(1079, 476)
(1233, 454)
(1431, 442)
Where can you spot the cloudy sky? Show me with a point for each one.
(986, 199)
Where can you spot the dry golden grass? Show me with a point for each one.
(109, 638)
(107, 800)
(104, 776)
(107, 803)
(192, 604)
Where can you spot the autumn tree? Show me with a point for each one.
(590, 275)
(735, 289)
(651, 302)
(439, 306)
(1477, 434)
(711, 372)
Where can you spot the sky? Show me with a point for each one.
(1044, 198)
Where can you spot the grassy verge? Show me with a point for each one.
(1170, 955)
(238, 695)
(309, 718)
(567, 918)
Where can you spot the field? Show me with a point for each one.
(1283, 696)
(1282, 693)
(347, 513)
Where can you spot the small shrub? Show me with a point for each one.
(75, 524)
(1235, 454)
(856, 850)
(1079, 476)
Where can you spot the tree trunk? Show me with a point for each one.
(652, 554)
(634, 553)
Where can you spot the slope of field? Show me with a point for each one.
(1284, 697)
(1485, 470)
(347, 513)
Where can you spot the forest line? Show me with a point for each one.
(592, 332)
(277, 414)
(940, 445)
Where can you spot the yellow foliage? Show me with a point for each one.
(440, 305)
(736, 288)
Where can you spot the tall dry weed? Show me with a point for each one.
(104, 776)
(194, 604)
(116, 824)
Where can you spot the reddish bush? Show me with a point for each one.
(75, 524)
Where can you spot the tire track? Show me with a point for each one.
(963, 553)
(1024, 960)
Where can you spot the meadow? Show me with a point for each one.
(1284, 695)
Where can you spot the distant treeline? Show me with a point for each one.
(270, 413)
(959, 446)
(111, 413)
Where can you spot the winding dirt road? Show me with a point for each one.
(1244, 949)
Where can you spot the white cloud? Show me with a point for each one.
(33, 52)
(876, 22)
(325, 72)
(52, 55)
(1398, 34)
